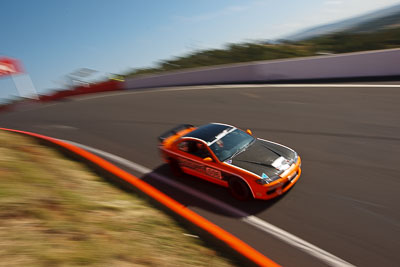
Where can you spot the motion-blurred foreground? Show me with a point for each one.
(68, 216)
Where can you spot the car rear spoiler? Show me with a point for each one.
(174, 131)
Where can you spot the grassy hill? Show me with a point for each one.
(57, 212)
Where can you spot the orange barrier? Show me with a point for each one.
(229, 239)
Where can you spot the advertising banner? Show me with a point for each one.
(9, 66)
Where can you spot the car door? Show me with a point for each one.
(193, 153)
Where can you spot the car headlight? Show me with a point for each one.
(295, 158)
(268, 180)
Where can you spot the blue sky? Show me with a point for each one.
(53, 38)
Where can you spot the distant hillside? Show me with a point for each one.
(373, 31)
(341, 42)
(388, 22)
(377, 20)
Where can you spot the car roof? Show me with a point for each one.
(208, 132)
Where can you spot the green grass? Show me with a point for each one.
(56, 212)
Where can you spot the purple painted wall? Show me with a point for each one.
(363, 64)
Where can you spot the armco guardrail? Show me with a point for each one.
(379, 63)
(24, 104)
(83, 90)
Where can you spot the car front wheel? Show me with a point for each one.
(239, 189)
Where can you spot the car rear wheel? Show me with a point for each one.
(239, 189)
(175, 168)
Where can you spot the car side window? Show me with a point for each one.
(201, 150)
(184, 146)
(195, 148)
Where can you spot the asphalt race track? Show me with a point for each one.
(347, 201)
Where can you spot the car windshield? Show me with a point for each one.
(231, 144)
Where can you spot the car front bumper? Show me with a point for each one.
(282, 185)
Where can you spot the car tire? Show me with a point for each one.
(175, 168)
(239, 189)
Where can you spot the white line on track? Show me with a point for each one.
(230, 86)
(262, 225)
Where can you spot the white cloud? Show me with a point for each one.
(272, 20)
(333, 11)
(333, 2)
(230, 10)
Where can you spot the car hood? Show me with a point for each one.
(264, 158)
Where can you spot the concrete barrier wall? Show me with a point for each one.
(233, 74)
(366, 64)
(363, 64)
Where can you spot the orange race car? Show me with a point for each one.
(223, 154)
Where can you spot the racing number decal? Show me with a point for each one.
(191, 165)
(200, 168)
(213, 173)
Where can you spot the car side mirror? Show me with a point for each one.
(207, 159)
(249, 132)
